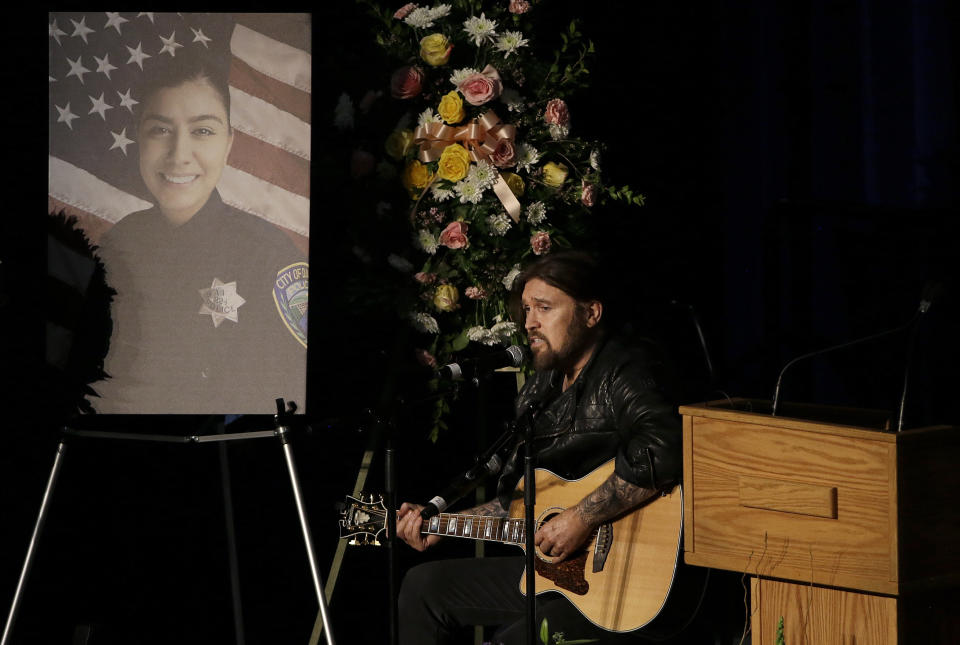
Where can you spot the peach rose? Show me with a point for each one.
(505, 154)
(404, 11)
(540, 243)
(455, 235)
(475, 293)
(519, 6)
(557, 113)
(425, 278)
(406, 82)
(481, 87)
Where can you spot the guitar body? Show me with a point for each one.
(642, 553)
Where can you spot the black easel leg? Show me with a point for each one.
(31, 549)
(231, 529)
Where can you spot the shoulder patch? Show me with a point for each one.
(290, 296)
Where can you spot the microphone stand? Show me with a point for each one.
(529, 501)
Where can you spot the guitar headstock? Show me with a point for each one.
(362, 520)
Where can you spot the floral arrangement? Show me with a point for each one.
(485, 151)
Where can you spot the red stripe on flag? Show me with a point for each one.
(270, 163)
(286, 97)
(94, 227)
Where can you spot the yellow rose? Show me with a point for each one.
(515, 182)
(398, 143)
(435, 49)
(554, 174)
(454, 163)
(445, 298)
(416, 176)
(451, 108)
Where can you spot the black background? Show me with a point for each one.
(800, 166)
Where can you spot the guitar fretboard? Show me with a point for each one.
(508, 530)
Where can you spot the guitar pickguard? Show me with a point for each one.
(568, 574)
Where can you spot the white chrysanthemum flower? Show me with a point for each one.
(440, 11)
(428, 116)
(499, 224)
(425, 323)
(460, 75)
(426, 242)
(510, 42)
(504, 330)
(527, 157)
(482, 174)
(469, 192)
(480, 29)
(511, 276)
(399, 263)
(441, 194)
(482, 335)
(558, 132)
(512, 99)
(420, 18)
(536, 213)
(343, 113)
(595, 160)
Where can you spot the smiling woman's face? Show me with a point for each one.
(185, 138)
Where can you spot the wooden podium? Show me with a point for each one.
(849, 531)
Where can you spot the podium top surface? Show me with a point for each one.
(834, 420)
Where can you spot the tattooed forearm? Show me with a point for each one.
(611, 498)
(488, 508)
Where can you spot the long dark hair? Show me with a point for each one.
(578, 274)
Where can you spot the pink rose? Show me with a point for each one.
(406, 82)
(557, 113)
(425, 278)
(481, 87)
(519, 6)
(404, 11)
(361, 163)
(540, 243)
(504, 155)
(588, 194)
(455, 236)
(475, 293)
(425, 358)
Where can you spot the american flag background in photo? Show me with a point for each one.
(94, 61)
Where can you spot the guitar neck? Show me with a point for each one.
(506, 530)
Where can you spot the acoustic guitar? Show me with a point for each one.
(620, 579)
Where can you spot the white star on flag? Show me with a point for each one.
(148, 14)
(77, 69)
(127, 101)
(103, 65)
(114, 19)
(137, 55)
(100, 107)
(199, 37)
(169, 44)
(56, 32)
(121, 141)
(81, 29)
(221, 301)
(66, 116)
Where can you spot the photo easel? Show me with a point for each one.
(281, 431)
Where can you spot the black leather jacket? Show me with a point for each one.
(615, 408)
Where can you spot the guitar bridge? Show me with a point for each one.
(602, 549)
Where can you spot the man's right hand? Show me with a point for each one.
(408, 527)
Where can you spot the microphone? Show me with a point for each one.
(512, 356)
(461, 486)
(925, 302)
